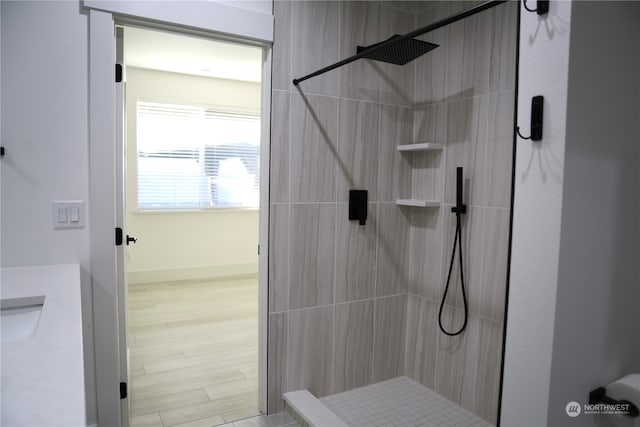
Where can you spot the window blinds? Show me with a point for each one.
(193, 157)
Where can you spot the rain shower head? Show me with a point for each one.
(399, 53)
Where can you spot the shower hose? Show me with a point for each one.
(457, 240)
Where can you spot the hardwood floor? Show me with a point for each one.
(194, 352)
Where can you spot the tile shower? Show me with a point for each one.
(353, 305)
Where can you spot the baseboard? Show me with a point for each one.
(192, 273)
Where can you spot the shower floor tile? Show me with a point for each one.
(399, 402)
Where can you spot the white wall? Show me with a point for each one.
(539, 171)
(195, 244)
(44, 116)
(572, 323)
(44, 130)
(596, 338)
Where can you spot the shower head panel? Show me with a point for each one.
(399, 53)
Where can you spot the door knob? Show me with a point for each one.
(131, 239)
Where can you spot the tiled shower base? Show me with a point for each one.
(399, 402)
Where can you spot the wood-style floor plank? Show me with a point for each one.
(193, 352)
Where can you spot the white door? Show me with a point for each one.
(124, 238)
(105, 110)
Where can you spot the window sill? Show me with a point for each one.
(192, 211)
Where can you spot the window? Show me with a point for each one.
(194, 157)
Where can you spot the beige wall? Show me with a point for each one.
(189, 244)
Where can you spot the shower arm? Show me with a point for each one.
(383, 45)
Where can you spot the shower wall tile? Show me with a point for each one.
(455, 60)
(422, 340)
(426, 252)
(477, 52)
(426, 182)
(310, 350)
(451, 355)
(355, 256)
(485, 352)
(421, 6)
(472, 247)
(353, 353)
(393, 250)
(277, 361)
(281, 70)
(489, 301)
(485, 242)
(499, 149)
(407, 6)
(431, 68)
(358, 140)
(280, 144)
(396, 82)
(430, 125)
(359, 26)
(394, 168)
(389, 337)
(456, 6)
(315, 44)
(314, 133)
(279, 258)
(471, 76)
(502, 70)
(468, 365)
(467, 129)
(312, 247)
(341, 316)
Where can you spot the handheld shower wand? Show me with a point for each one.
(459, 209)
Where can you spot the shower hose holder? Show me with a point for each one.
(460, 208)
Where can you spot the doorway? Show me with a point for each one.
(193, 192)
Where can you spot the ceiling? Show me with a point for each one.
(163, 51)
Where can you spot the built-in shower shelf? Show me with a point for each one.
(425, 146)
(418, 203)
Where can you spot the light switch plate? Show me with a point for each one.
(68, 214)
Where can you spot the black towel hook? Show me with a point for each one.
(541, 9)
(537, 103)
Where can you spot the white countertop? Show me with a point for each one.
(43, 376)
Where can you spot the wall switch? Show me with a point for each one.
(63, 215)
(68, 214)
(75, 214)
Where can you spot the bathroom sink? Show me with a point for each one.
(20, 318)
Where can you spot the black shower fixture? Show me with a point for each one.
(358, 206)
(459, 209)
(402, 49)
(399, 53)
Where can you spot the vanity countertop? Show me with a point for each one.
(43, 376)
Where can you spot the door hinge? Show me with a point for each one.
(118, 73)
(258, 249)
(123, 390)
(118, 236)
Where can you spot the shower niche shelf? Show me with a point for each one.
(425, 146)
(415, 148)
(418, 203)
